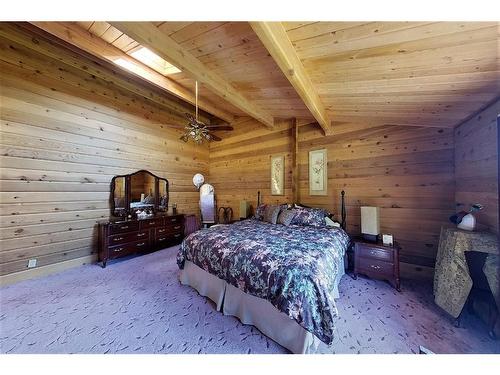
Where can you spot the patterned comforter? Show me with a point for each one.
(293, 267)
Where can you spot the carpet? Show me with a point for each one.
(137, 305)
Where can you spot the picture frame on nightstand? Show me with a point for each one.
(387, 240)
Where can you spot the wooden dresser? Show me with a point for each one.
(118, 238)
(377, 261)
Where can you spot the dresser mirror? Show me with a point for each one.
(141, 192)
(120, 197)
(163, 195)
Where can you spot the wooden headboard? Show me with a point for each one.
(343, 212)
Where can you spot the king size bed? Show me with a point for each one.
(280, 277)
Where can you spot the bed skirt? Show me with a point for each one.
(253, 310)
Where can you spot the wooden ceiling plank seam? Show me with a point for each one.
(275, 40)
(151, 37)
(103, 50)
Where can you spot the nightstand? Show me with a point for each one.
(377, 261)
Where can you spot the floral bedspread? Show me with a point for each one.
(293, 267)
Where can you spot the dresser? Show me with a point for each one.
(377, 261)
(119, 238)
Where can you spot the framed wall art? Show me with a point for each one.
(277, 175)
(318, 179)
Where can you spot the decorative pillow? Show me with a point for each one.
(271, 214)
(310, 216)
(330, 223)
(286, 216)
(259, 212)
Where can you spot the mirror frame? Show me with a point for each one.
(128, 191)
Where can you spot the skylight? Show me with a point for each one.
(154, 61)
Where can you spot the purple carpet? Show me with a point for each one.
(137, 305)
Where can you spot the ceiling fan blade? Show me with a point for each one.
(176, 126)
(184, 138)
(213, 137)
(219, 127)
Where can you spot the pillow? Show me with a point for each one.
(259, 211)
(271, 214)
(330, 223)
(286, 216)
(309, 216)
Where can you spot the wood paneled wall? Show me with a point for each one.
(476, 158)
(68, 125)
(240, 164)
(408, 172)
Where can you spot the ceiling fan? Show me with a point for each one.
(199, 131)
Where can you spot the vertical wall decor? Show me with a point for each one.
(318, 180)
(277, 175)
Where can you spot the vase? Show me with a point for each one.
(468, 223)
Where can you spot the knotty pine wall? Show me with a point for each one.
(476, 172)
(406, 171)
(240, 164)
(68, 125)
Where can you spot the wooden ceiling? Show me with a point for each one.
(433, 74)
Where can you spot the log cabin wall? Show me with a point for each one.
(476, 158)
(407, 171)
(240, 164)
(68, 125)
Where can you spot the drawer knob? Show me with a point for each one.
(151, 223)
(177, 235)
(177, 227)
(373, 252)
(118, 239)
(124, 227)
(173, 220)
(161, 230)
(117, 250)
(141, 244)
(141, 234)
(374, 267)
(161, 239)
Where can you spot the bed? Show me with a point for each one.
(281, 279)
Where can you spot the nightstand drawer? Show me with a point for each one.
(374, 266)
(367, 251)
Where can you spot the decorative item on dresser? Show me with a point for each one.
(118, 238)
(138, 222)
(377, 260)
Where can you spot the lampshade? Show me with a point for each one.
(370, 221)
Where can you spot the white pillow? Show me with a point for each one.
(330, 223)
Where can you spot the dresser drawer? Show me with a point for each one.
(173, 220)
(128, 248)
(175, 228)
(374, 266)
(151, 223)
(123, 227)
(168, 239)
(128, 237)
(367, 251)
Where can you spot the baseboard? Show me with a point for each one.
(46, 270)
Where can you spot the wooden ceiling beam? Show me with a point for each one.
(147, 34)
(84, 40)
(275, 39)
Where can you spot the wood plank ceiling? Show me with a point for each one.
(432, 74)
